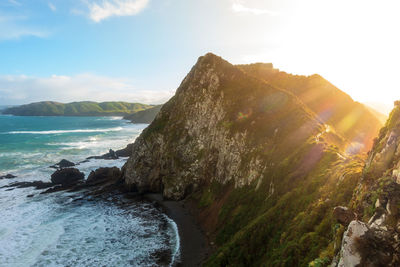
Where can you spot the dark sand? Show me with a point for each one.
(193, 242)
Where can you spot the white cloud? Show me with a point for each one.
(239, 6)
(52, 6)
(13, 28)
(18, 89)
(99, 10)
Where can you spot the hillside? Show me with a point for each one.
(144, 116)
(376, 201)
(351, 119)
(85, 108)
(260, 166)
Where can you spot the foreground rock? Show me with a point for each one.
(63, 164)
(67, 177)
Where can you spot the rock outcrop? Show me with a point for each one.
(102, 175)
(377, 201)
(67, 176)
(343, 215)
(63, 164)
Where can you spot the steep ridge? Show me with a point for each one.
(261, 167)
(374, 239)
(351, 119)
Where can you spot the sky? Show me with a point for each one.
(140, 50)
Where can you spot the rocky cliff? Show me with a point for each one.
(221, 125)
(264, 170)
(373, 239)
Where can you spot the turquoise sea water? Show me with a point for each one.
(55, 230)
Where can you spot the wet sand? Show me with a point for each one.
(193, 242)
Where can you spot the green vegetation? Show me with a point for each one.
(293, 226)
(85, 108)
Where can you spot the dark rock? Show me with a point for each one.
(125, 152)
(36, 184)
(343, 215)
(32, 195)
(110, 155)
(63, 164)
(66, 177)
(8, 176)
(102, 175)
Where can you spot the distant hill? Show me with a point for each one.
(85, 108)
(351, 119)
(144, 116)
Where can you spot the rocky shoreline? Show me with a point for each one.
(106, 184)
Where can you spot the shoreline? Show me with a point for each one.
(194, 247)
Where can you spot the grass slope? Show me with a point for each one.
(350, 119)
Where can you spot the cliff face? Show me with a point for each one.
(374, 240)
(221, 125)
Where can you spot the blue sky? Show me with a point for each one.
(140, 50)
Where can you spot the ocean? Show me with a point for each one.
(56, 229)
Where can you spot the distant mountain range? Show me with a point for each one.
(86, 108)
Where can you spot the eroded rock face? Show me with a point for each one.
(102, 175)
(349, 254)
(220, 125)
(343, 215)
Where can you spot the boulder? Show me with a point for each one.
(350, 254)
(63, 164)
(67, 176)
(102, 175)
(343, 215)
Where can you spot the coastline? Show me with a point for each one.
(194, 246)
